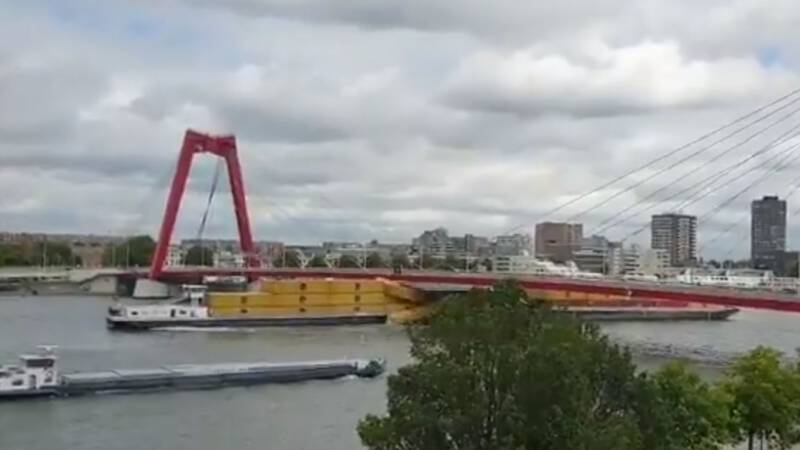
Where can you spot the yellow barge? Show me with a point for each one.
(278, 302)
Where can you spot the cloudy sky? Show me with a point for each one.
(365, 119)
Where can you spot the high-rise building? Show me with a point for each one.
(767, 231)
(558, 242)
(598, 254)
(677, 234)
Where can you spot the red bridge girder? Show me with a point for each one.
(632, 290)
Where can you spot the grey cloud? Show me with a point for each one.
(41, 102)
(347, 133)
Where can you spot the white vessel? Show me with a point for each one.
(36, 375)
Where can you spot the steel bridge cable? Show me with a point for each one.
(791, 192)
(211, 192)
(658, 159)
(703, 184)
(694, 199)
(785, 153)
(776, 168)
(684, 159)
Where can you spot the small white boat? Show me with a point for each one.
(36, 375)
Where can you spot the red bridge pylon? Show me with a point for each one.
(223, 147)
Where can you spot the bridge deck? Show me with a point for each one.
(444, 281)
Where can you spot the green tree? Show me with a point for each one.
(765, 398)
(38, 254)
(375, 261)
(452, 263)
(348, 262)
(288, 259)
(428, 262)
(679, 411)
(490, 372)
(401, 260)
(54, 254)
(199, 255)
(136, 251)
(318, 261)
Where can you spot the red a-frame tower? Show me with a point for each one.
(223, 147)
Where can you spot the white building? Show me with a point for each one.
(530, 265)
(225, 258)
(650, 262)
(175, 256)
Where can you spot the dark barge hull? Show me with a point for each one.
(645, 315)
(28, 394)
(122, 324)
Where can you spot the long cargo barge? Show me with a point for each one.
(651, 314)
(37, 376)
(343, 302)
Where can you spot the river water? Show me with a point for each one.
(312, 415)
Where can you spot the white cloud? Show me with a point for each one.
(607, 81)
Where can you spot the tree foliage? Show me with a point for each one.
(318, 261)
(494, 370)
(136, 251)
(349, 262)
(682, 411)
(199, 255)
(288, 259)
(766, 398)
(451, 263)
(401, 261)
(375, 261)
(38, 254)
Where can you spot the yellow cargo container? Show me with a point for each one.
(224, 300)
(280, 300)
(315, 287)
(375, 298)
(282, 286)
(401, 292)
(233, 299)
(411, 315)
(309, 310)
(359, 286)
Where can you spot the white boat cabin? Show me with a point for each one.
(190, 306)
(35, 371)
